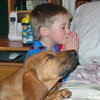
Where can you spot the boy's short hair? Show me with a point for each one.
(44, 15)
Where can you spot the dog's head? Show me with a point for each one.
(49, 67)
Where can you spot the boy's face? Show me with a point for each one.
(59, 30)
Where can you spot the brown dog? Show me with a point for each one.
(38, 76)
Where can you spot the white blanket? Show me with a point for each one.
(84, 83)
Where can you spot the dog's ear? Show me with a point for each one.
(33, 89)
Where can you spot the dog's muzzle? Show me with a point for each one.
(71, 63)
(74, 56)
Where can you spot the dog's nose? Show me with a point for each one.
(72, 52)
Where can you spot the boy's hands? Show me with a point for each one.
(71, 42)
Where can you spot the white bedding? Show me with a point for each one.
(84, 83)
(82, 91)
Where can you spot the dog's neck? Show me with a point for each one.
(50, 83)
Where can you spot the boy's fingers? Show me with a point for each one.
(71, 42)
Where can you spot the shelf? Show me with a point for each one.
(9, 65)
(5, 44)
(21, 11)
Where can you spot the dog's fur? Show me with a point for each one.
(38, 76)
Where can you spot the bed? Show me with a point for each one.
(84, 82)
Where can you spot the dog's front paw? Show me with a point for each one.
(65, 93)
(58, 94)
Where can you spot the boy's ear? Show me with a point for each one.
(43, 31)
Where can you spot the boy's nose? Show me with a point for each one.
(67, 31)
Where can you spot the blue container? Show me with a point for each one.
(27, 34)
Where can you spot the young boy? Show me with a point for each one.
(50, 25)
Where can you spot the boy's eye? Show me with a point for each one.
(63, 27)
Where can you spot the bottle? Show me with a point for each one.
(27, 34)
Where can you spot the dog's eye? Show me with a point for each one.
(50, 56)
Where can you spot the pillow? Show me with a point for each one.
(86, 23)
